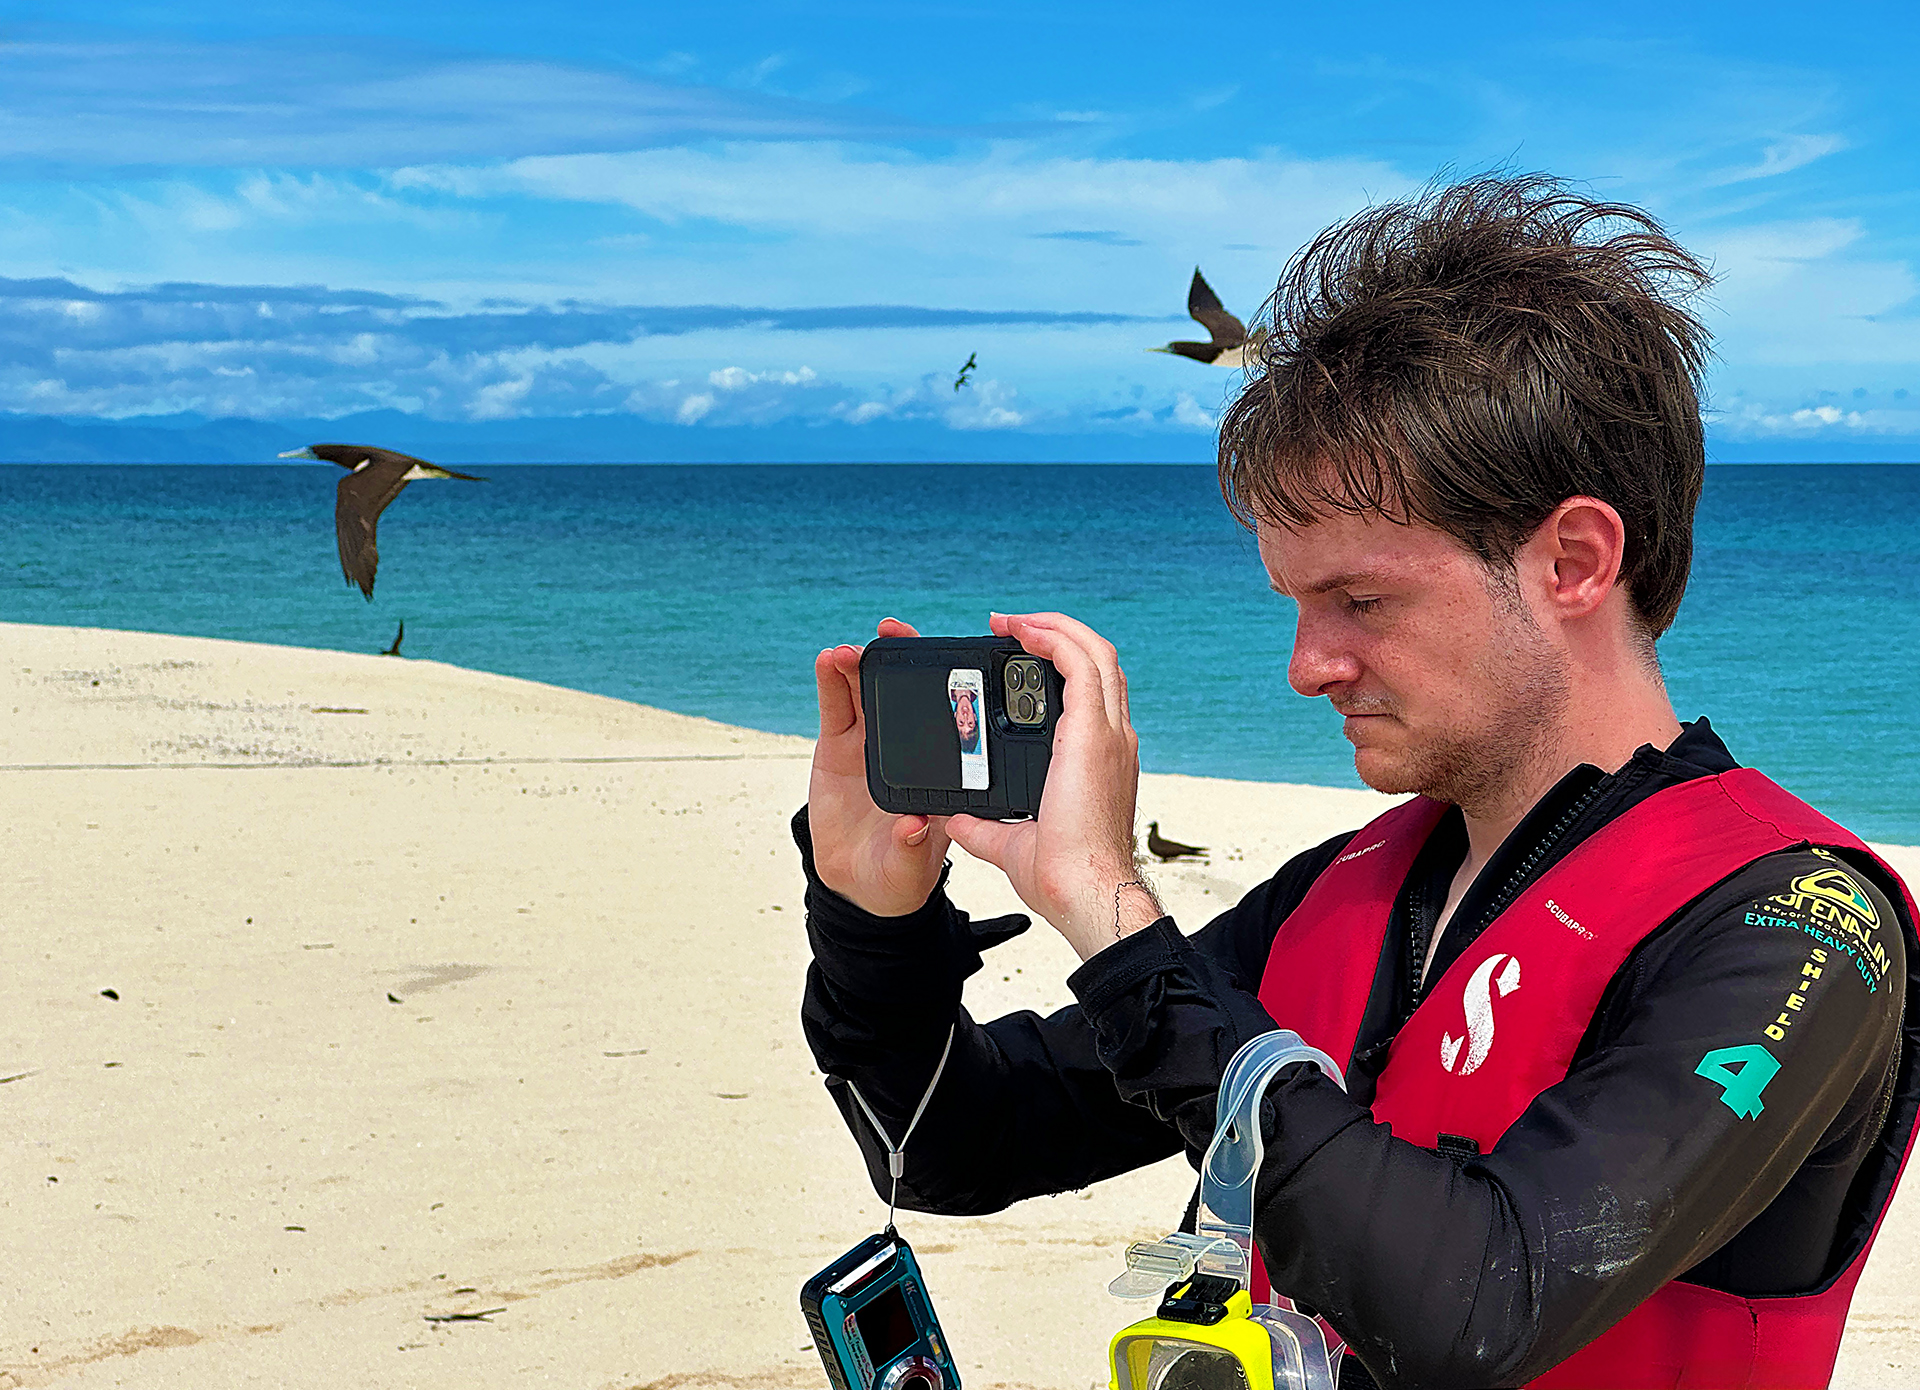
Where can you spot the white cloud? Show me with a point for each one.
(1783, 156)
(981, 224)
(1809, 292)
(1187, 411)
(1866, 417)
(739, 378)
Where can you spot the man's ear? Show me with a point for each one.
(1579, 549)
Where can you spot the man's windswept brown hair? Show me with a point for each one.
(1470, 359)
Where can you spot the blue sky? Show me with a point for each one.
(792, 223)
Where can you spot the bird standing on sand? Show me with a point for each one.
(374, 478)
(1164, 850)
(1228, 336)
(394, 650)
(965, 371)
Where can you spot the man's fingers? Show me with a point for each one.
(893, 627)
(839, 707)
(846, 660)
(989, 840)
(1106, 660)
(1074, 660)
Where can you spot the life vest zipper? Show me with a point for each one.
(1515, 884)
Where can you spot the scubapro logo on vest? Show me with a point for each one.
(1478, 1002)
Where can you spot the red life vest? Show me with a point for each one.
(1502, 1024)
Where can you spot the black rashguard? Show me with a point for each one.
(1440, 1270)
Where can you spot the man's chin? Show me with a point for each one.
(1386, 772)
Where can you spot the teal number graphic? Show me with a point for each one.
(1740, 1089)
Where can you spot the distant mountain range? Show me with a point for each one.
(188, 438)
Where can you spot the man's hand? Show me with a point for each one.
(1073, 865)
(886, 864)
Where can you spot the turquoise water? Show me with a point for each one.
(708, 589)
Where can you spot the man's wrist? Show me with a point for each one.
(1123, 904)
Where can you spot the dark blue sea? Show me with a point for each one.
(708, 589)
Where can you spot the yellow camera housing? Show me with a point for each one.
(1232, 1353)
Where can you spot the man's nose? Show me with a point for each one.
(1321, 663)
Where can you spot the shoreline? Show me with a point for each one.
(435, 991)
(660, 723)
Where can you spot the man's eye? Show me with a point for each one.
(1362, 605)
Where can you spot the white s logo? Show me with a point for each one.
(1478, 999)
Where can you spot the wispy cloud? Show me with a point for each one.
(1782, 157)
(1093, 238)
(49, 316)
(89, 105)
(897, 213)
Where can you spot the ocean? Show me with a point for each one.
(708, 588)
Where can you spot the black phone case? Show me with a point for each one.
(1017, 757)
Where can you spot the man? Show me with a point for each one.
(1629, 1084)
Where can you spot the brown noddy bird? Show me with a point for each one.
(374, 478)
(1227, 335)
(1164, 850)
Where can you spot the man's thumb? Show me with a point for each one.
(986, 840)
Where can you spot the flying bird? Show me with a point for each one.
(965, 371)
(1228, 336)
(1164, 850)
(374, 478)
(394, 650)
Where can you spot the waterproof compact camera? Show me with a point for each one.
(873, 1323)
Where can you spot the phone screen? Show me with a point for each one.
(932, 727)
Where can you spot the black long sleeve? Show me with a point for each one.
(1440, 1272)
(1024, 1108)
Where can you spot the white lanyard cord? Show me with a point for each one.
(896, 1153)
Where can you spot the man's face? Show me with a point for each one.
(965, 720)
(1447, 683)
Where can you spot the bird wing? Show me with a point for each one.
(1204, 308)
(357, 506)
(1198, 352)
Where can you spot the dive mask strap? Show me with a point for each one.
(1222, 1241)
(896, 1153)
(1225, 1216)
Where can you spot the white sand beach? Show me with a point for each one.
(442, 992)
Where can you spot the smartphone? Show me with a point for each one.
(958, 724)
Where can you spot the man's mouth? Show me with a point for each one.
(1363, 709)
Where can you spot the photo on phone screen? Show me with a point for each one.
(966, 693)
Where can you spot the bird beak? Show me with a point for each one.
(1149, 350)
(300, 453)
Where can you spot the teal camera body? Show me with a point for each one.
(873, 1323)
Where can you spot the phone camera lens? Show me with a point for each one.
(1026, 710)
